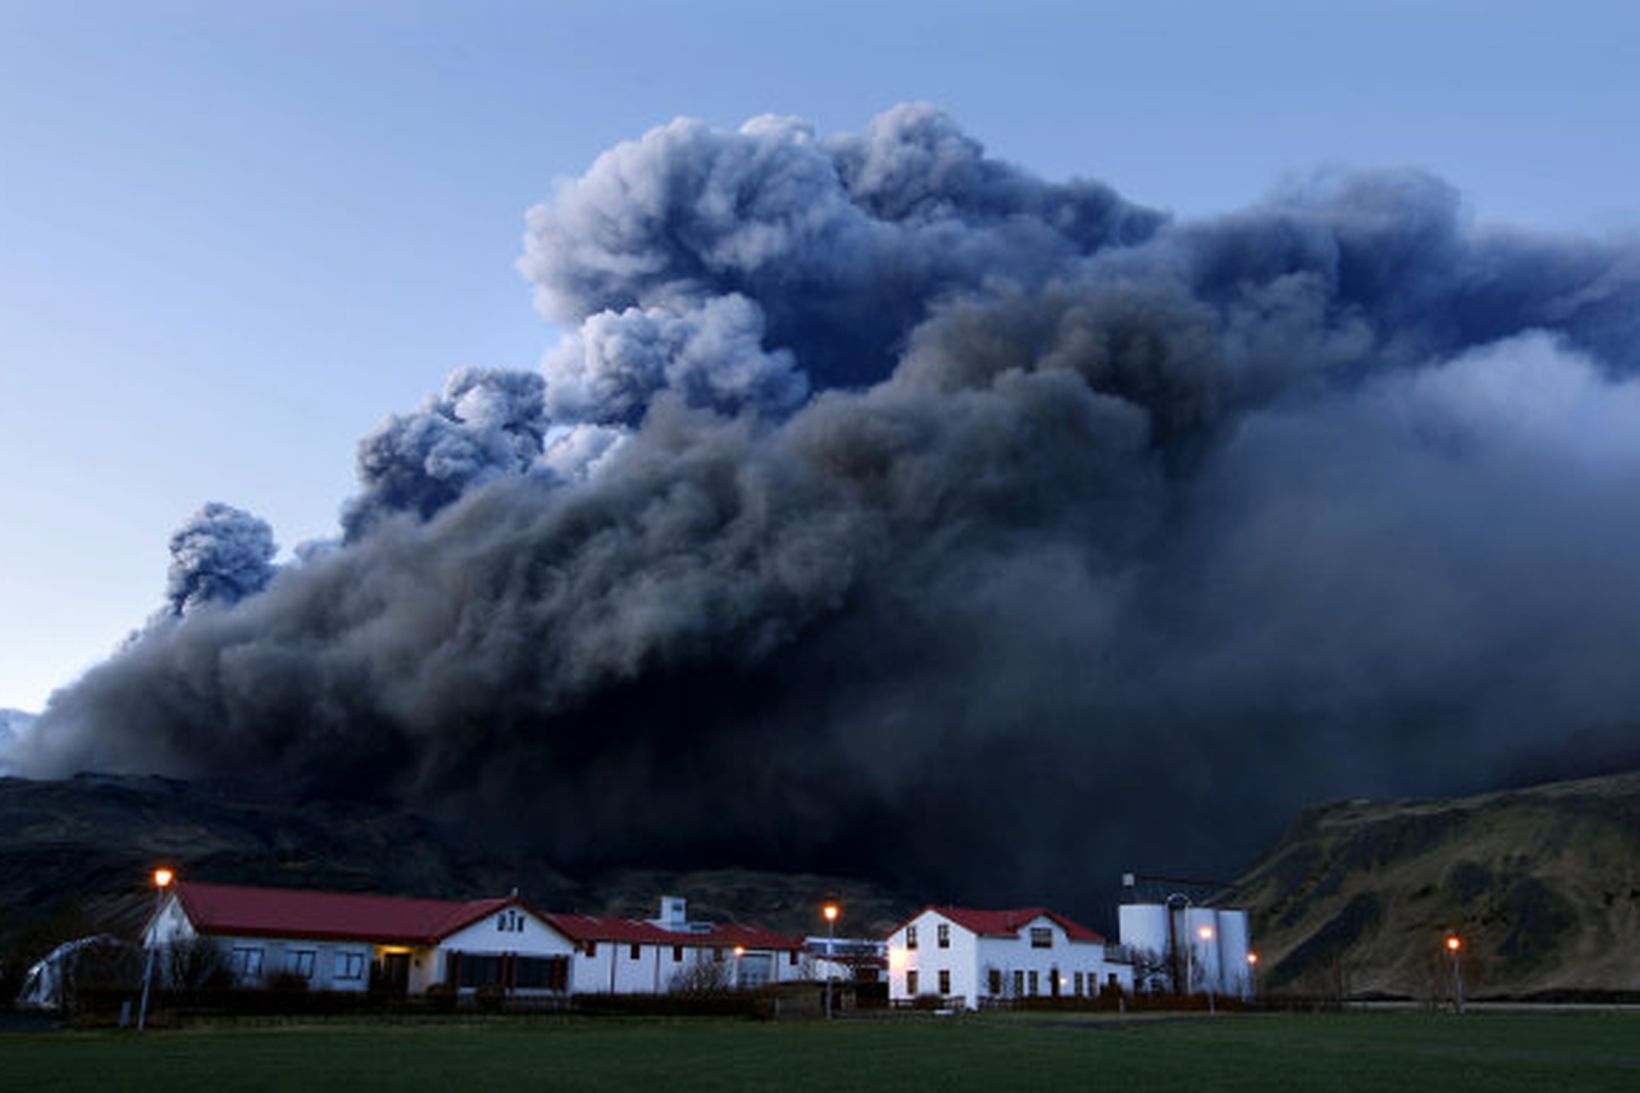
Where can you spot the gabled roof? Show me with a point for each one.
(631, 931)
(285, 912)
(1008, 923)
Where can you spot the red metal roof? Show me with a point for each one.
(284, 912)
(1008, 923)
(631, 931)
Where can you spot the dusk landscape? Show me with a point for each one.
(1155, 485)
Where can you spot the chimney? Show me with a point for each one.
(674, 913)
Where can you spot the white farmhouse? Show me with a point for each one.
(345, 942)
(975, 958)
(629, 956)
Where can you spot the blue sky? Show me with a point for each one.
(234, 236)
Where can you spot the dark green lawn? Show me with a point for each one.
(1367, 1052)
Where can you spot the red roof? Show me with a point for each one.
(631, 931)
(1008, 923)
(284, 912)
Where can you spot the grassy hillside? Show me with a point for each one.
(1543, 884)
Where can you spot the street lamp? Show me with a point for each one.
(1454, 945)
(830, 911)
(162, 880)
(1252, 974)
(740, 951)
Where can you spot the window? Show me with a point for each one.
(945, 981)
(246, 962)
(717, 956)
(299, 962)
(1032, 982)
(1041, 937)
(510, 922)
(911, 937)
(347, 966)
(632, 952)
(791, 958)
(1078, 991)
(478, 970)
(911, 982)
(943, 935)
(537, 973)
(677, 954)
(1019, 984)
(592, 948)
(993, 982)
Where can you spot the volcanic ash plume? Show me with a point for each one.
(221, 555)
(889, 510)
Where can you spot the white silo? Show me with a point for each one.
(1199, 934)
(1146, 932)
(1236, 978)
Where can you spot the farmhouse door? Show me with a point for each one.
(396, 973)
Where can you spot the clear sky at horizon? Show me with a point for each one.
(235, 236)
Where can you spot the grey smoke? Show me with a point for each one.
(219, 556)
(488, 423)
(889, 510)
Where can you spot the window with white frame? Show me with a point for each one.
(246, 962)
(347, 966)
(942, 935)
(299, 962)
(911, 937)
(1041, 937)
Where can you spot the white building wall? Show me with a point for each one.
(511, 930)
(169, 925)
(1217, 962)
(971, 959)
(1234, 931)
(1055, 966)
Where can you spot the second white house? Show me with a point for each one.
(972, 957)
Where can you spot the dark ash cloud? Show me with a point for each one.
(219, 556)
(889, 510)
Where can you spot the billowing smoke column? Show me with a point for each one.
(220, 556)
(889, 510)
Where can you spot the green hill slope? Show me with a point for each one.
(1543, 885)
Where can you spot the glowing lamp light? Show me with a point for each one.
(1205, 933)
(740, 951)
(1453, 943)
(163, 877)
(1252, 958)
(830, 911)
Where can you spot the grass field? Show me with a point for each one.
(1377, 1052)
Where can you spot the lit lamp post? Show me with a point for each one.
(1252, 974)
(162, 880)
(1454, 945)
(1206, 934)
(830, 911)
(740, 951)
